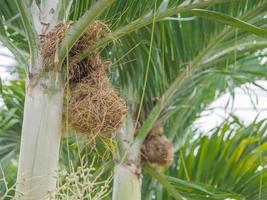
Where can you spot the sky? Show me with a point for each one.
(6, 60)
(249, 101)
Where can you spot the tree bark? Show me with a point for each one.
(127, 184)
(40, 139)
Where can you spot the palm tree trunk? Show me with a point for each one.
(40, 139)
(127, 184)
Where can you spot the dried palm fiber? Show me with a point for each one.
(51, 41)
(157, 149)
(93, 105)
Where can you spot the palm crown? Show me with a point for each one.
(170, 59)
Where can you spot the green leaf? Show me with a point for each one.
(181, 189)
(173, 192)
(7, 43)
(145, 21)
(228, 159)
(202, 189)
(32, 38)
(226, 19)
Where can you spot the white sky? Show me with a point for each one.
(249, 101)
(6, 60)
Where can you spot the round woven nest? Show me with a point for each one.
(94, 106)
(157, 149)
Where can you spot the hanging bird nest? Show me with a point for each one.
(93, 105)
(157, 149)
(51, 41)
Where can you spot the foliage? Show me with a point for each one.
(232, 158)
(169, 61)
(11, 115)
(181, 43)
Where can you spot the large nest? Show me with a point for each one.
(93, 105)
(157, 149)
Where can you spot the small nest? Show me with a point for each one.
(93, 106)
(157, 150)
(51, 41)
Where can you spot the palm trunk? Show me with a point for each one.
(40, 139)
(127, 184)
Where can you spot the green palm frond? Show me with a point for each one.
(231, 158)
(12, 33)
(11, 115)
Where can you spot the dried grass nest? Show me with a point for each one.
(93, 105)
(157, 149)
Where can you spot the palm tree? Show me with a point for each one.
(171, 58)
(201, 170)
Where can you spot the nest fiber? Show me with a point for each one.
(94, 106)
(52, 40)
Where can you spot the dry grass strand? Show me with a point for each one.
(94, 106)
(51, 41)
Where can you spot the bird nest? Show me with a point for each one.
(157, 149)
(52, 40)
(94, 106)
